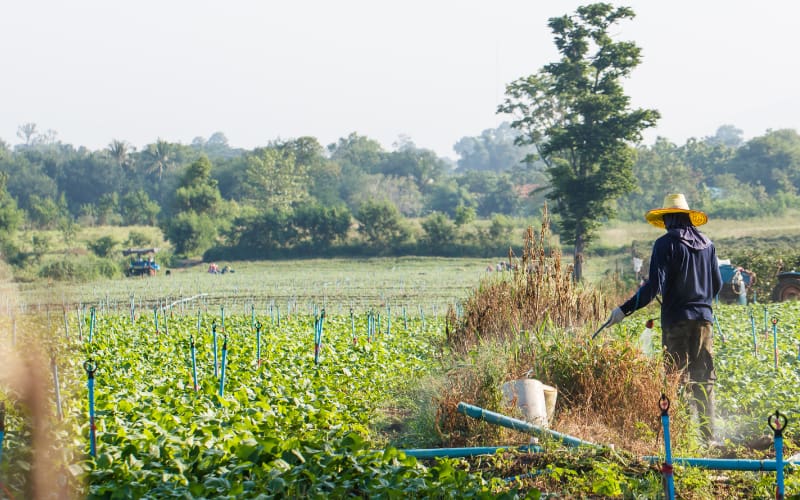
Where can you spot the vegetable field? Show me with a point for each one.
(247, 399)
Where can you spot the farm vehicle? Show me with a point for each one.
(737, 282)
(140, 266)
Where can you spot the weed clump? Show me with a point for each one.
(537, 323)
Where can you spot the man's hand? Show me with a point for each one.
(616, 316)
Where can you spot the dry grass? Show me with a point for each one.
(538, 323)
(539, 290)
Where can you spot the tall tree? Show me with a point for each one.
(575, 113)
(274, 178)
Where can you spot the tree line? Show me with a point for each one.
(355, 198)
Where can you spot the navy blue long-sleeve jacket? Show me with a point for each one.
(687, 279)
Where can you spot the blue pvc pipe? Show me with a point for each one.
(2, 427)
(739, 464)
(753, 326)
(214, 342)
(194, 366)
(779, 465)
(92, 427)
(222, 377)
(258, 344)
(518, 425)
(465, 452)
(667, 467)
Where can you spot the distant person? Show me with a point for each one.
(213, 268)
(684, 270)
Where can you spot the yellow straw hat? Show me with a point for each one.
(675, 204)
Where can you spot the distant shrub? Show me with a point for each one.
(79, 268)
(102, 246)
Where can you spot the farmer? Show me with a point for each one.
(684, 270)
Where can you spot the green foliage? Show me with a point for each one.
(103, 246)
(138, 239)
(440, 233)
(191, 233)
(79, 268)
(136, 207)
(274, 178)
(321, 226)
(382, 225)
(575, 112)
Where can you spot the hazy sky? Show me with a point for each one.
(96, 70)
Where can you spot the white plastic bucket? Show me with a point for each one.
(550, 397)
(530, 398)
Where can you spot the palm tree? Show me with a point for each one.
(159, 157)
(120, 151)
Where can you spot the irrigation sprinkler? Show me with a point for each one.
(91, 368)
(214, 343)
(666, 467)
(777, 422)
(155, 318)
(194, 363)
(224, 358)
(518, 425)
(753, 326)
(775, 339)
(57, 389)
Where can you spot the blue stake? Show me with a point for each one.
(194, 364)
(91, 368)
(753, 326)
(388, 320)
(2, 427)
(353, 326)
(775, 339)
(777, 422)
(405, 320)
(252, 315)
(258, 344)
(765, 323)
(155, 318)
(214, 342)
(91, 323)
(224, 358)
(666, 467)
(318, 322)
(222, 312)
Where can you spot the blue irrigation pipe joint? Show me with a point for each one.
(777, 422)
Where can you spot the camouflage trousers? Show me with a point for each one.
(689, 349)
